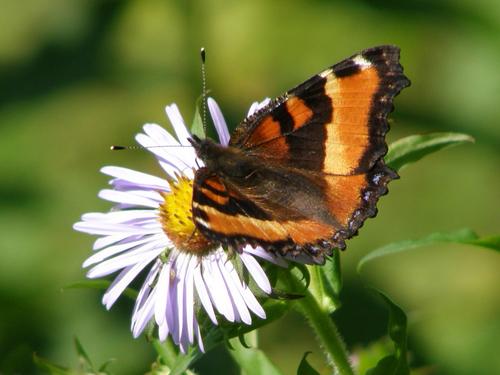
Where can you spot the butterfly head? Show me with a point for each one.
(206, 149)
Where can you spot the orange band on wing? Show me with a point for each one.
(299, 111)
(268, 129)
(301, 231)
(214, 184)
(219, 199)
(347, 135)
(344, 195)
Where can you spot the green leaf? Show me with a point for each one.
(197, 127)
(101, 285)
(83, 356)
(183, 361)
(462, 236)
(305, 368)
(252, 361)
(167, 351)
(330, 281)
(302, 268)
(394, 364)
(104, 367)
(413, 148)
(274, 309)
(51, 368)
(369, 356)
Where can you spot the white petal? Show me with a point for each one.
(138, 178)
(145, 290)
(257, 272)
(128, 198)
(301, 258)
(186, 152)
(163, 331)
(104, 229)
(203, 295)
(226, 267)
(177, 122)
(144, 315)
(189, 298)
(256, 106)
(247, 295)
(163, 289)
(114, 264)
(200, 341)
(219, 121)
(173, 160)
(180, 268)
(218, 290)
(108, 240)
(266, 255)
(116, 249)
(120, 216)
(120, 283)
(171, 312)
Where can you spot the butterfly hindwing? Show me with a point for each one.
(236, 212)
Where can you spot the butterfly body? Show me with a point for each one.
(303, 173)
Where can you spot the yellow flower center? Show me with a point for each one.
(177, 218)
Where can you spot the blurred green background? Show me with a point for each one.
(77, 76)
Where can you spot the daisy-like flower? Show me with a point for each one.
(151, 230)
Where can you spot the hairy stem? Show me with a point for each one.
(323, 326)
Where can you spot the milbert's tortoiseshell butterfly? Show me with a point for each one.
(303, 173)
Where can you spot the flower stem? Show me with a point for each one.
(325, 329)
(166, 351)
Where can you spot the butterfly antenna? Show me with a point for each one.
(204, 90)
(119, 148)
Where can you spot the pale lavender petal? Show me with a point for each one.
(116, 249)
(247, 295)
(189, 298)
(180, 269)
(186, 154)
(144, 315)
(200, 341)
(121, 261)
(219, 121)
(121, 282)
(257, 272)
(163, 331)
(143, 180)
(301, 258)
(177, 122)
(104, 229)
(238, 302)
(145, 290)
(217, 290)
(109, 240)
(162, 285)
(128, 198)
(256, 106)
(171, 161)
(266, 255)
(120, 216)
(203, 295)
(172, 309)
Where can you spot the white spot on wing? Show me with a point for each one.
(326, 73)
(202, 222)
(361, 61)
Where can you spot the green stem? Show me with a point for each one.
(166, 351)
(323, 326)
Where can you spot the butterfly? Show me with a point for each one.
(302, 174)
